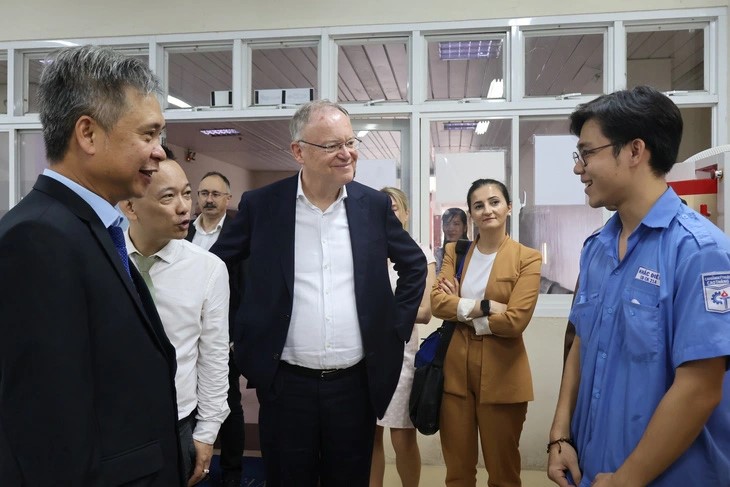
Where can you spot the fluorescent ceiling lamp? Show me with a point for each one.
(460, 125)
(464, 50)
(177, 102)
(65, 43)
(362, 133)
(220, 132)
(481, 127)
(496, 89)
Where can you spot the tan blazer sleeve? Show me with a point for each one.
(516, 282)
(444, 305)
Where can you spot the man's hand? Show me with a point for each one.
(203, 455)
(449, 287)
(563, 458)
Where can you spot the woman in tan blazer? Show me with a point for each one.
(487, 380)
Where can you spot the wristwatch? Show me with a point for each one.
(484, 305)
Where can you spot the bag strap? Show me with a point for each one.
(447, 328)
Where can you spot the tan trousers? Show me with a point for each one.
(499, 427)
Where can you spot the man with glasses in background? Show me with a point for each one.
(214, 194)
(319, 332)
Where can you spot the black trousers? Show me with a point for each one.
(232, 432)
(317, 429)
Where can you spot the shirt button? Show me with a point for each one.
(610, 310)
(326, 266)
(597, 395)
(604, 355)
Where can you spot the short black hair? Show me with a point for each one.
(641, 113)
(216, 173)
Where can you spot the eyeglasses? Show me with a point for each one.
(351, 144)
(580, 157)
(215, 194)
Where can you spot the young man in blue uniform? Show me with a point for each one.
(641, 402)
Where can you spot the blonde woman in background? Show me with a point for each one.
(402, 432)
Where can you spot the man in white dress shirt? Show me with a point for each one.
(195, 318)
(214, 194)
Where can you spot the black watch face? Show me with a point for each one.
(485, 306)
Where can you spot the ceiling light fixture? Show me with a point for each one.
(460, 125)
(464, 50)
(177, 102)
(481, 127)
(362, 133)
(220, 132)
(496, 88)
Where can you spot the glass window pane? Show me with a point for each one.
(34, 67)
(31, 160)
(697, 133)
(4, 173)
(562, 64)
(380, 158)
(3, 82)
(666, 58)
(194, 72)
(466, 67)
(558, 226)
(280, 68)
(373, 70)
(460, 155)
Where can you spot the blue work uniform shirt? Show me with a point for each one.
(667, 302)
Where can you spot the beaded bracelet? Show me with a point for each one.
(558, 442)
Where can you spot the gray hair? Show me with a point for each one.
(301, 117)
(87, 80)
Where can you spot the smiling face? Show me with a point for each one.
(605, 176)
(163, 213)
(328, 171)
(489, 209)
(126, 155)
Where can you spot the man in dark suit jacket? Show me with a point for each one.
(214, 193)
(319, 332)
(87, 393)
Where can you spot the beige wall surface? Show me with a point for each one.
(51, 19)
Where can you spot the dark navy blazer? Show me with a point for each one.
(263, 232)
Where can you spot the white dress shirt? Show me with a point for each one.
(191, 295)
(324, 331)
(473, 285)
(206, 239)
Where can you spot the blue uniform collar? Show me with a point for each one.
(660, 216)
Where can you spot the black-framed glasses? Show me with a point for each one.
(351, 144)
(215, 194)
(580, 157)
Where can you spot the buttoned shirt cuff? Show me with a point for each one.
(481, 326)
(206, 431)
(464, 308)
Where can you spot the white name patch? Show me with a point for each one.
(716, 287)
(647, 275)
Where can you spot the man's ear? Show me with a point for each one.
(296, 150)
(87, 134)
(638, 151)
(127, 208)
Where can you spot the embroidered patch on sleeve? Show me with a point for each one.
(716, 287)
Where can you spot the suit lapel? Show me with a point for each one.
(357, 207)
(284, 228)
(84, 212)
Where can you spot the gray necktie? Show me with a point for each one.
(144, 264)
